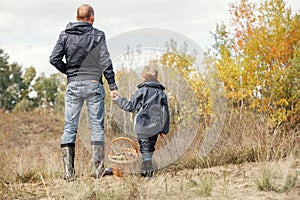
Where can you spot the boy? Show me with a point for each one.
(152, 116)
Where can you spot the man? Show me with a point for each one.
(86, 58)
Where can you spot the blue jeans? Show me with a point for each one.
(76, 93)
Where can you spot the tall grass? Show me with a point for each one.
(31, 164)
(247, 139)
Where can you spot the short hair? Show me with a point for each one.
(84, 12)
(149, 73)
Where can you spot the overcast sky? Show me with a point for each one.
(30, 28)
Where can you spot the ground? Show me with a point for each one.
(31, 168)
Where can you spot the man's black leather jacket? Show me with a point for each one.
(85, 51)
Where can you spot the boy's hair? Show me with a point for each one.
(149, 73)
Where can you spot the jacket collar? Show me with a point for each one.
(78, 28)
(153, 84)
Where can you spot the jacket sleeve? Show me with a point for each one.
(57, 56)
(107, 64)
(131, 105)
(167, 123)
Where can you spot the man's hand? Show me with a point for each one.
(162, 136)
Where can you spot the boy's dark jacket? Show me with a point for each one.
(151, 104)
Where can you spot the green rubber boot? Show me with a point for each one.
(68, 154)
(97, 160)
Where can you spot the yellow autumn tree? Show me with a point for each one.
(257, 56)
(177, 58)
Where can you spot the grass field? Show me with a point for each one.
(32, 168)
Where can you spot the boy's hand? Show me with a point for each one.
(114, 99)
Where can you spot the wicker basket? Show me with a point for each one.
(123, 156)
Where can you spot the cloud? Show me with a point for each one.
(36, 24)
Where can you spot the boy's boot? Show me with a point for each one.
(97, 160)
(147, 169)
(68, 154)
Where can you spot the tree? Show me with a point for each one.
(27, 80)
(256, 56)
(4, 77)
(26, 103)
(29, 76)
(59, 101)
(47, 89)
(184, 64)
(10, 82)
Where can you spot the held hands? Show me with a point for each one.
(114, 95)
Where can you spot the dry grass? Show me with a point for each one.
(247, 139)
(31, 166)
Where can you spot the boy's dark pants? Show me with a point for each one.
(147, 148)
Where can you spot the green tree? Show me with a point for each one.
(27, 80)
(11, 82)
(4, 78)
(26, 103)
(59, 101)
(47, 89)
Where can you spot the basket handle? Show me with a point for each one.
(129, 140)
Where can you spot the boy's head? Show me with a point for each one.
(149, 74)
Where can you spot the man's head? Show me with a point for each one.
(85, 13)
(149, 74)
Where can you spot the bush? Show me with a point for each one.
(24, 105)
